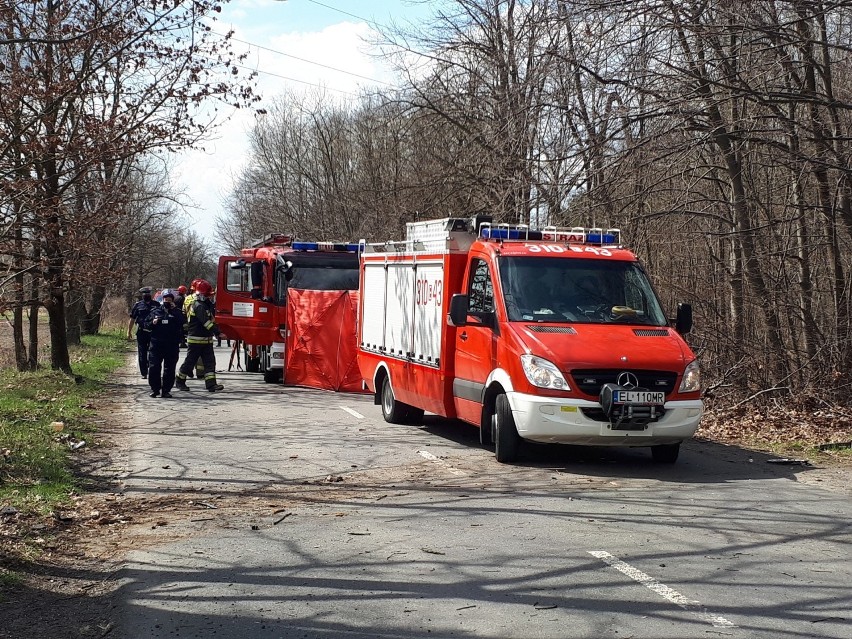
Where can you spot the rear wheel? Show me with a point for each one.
(665, 453)
(507, 442)
(393, 411)
(272, 375)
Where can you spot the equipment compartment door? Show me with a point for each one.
(428, 304)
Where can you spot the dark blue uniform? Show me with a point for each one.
(138, 313)
(165, 327)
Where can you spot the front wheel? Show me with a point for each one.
(393, 411)
(414, 415)
(665, 453)
(507, 442)
(486, 431)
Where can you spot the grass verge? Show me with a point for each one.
(43, 415)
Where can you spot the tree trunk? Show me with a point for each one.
(92, 317)
(18, 313)
(18, 337)
(74, 312)
(35, 296)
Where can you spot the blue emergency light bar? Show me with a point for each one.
(575, 235)
(325, 246)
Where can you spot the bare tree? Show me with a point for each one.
(91, 86)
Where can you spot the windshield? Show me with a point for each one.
(540, 289)
(329, 277)
(325, 278)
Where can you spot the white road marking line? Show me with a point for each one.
(427, 455)
(661, 589)
(354, 413)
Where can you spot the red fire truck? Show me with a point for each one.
(293, 305)
(551, 335)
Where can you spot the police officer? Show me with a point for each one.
(165, 326)
(138, 313)
(201, 330)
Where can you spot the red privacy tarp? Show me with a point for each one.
(322, 344)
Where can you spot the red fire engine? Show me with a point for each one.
(293, 305)
(551, 335)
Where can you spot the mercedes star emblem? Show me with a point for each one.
(627, 380)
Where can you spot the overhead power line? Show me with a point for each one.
(346, 13)
(284, 77)
(319, 64)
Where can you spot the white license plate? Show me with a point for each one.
(646, 398)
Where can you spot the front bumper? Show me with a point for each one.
(277, 353)
(562, 421)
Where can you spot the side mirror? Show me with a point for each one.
(458, 310)
(683, 324)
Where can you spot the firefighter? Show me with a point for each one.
(138, 313)
(201, 330)
(187, 304)
(165, 326)
(191, 297)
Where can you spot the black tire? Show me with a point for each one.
(272, 375)
(393, 411)
(665, 453)
(507, 442)
(486, 438)
(414, 415)
(253, 365)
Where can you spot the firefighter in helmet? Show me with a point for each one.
(191, 297)
(165, 326)
(187, 305)
(201, 331)
(138, 313)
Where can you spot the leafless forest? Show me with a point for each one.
(715, 133)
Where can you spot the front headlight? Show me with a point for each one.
(542, 373)
(691, 378)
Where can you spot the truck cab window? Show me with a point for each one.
(481, 289)
(238, 278)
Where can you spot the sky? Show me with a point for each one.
(295, 45)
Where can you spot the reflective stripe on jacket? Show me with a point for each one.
(201, 325)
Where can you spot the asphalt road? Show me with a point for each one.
(306, 515)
